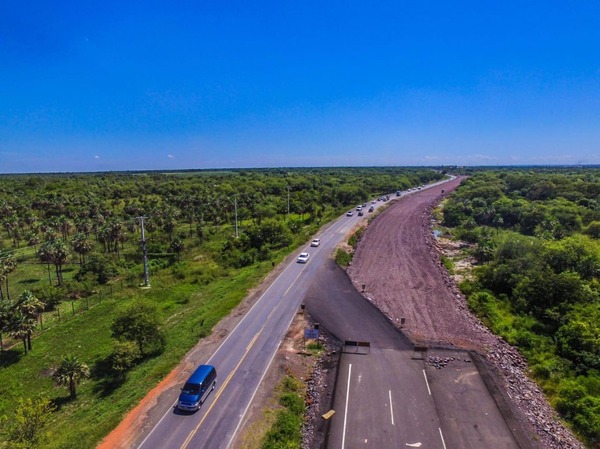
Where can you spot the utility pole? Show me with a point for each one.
(288, 203)
(144, 254)
(236, 221)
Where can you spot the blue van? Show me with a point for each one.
(197, 388)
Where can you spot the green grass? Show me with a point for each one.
(189, 311)
(286, 431)
(192, 296)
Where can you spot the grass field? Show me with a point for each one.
(192, 296)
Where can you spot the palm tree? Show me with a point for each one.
(21, 327)
(4, 320)
(33, 239)
(70, 372)
(29, 307)
(56, 252)
(117, 234)
(178, 246)
(64, 224)
(81, 245)
(7, 265)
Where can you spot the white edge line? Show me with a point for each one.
(346, 408)
(216, 351)
(442, 437)
(426, 382)
(256, 389)
(227, 338)
(391, 408)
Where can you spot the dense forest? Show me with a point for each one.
(72, 313)
(535, 236)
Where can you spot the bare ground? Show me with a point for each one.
(398, 264)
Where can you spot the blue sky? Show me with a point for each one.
(151, 85)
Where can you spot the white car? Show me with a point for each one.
(315, 242)
(349, 213)
(303, 258)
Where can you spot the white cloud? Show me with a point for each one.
(170, 156)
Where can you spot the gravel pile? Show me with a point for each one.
(319, 391)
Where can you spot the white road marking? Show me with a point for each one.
(293, 282)
(414, 444)
(346, 409)
(442, 437)
(391, 408)
(426, 382)
(170, 410)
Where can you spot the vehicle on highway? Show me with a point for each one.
(360, 213)
(303, 258)
(315, 242)
(371, 209)
(359, 207)
(349, 213)
(197, 388)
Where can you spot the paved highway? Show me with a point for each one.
(388, 396)
(244, 356)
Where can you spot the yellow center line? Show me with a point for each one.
(223, 385)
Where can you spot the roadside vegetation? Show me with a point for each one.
(82, 338)
(344, 254)
(286, 431)
(536, 237)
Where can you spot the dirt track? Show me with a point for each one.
(402, 276)
(397, 266)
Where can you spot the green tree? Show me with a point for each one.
(124, 356)
(8, 264)
(4, 320)
(102, 268)
(593, 229)
(81, 245)
(26, 428)
(270, 232)
(21, 327)
(70, 372)
(57, 253)
(140, 322)
(177, 246)
(579, 338)
(28, 307)
(579, 407)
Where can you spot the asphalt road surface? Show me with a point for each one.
(387, 394)
(244, 357)
(385, 398)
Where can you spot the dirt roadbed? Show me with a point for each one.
(397, 267)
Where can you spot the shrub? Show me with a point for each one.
(342, 258)
(101, 267)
